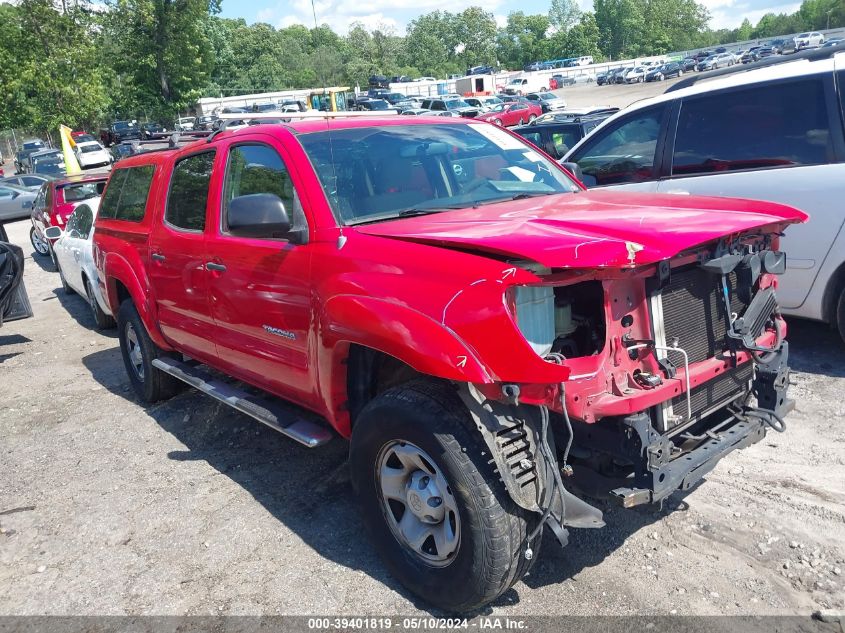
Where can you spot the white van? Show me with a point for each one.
(584, 61)
(524, 85)
(775, 133)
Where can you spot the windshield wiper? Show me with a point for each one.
(535, 194)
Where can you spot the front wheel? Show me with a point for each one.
(432, 503)
(531, 118)
(680, 73)
(497, 121)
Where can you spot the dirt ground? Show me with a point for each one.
(185, 507)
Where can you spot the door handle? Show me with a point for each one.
(214, 266)
(158, 257)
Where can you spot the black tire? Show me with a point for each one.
(840, 315)
(101, 319)
(67, 289)
(492, 532)
(151, 384)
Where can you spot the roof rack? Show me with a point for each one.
(814, 54)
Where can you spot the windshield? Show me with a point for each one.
(376, 105)
(379, 173)
(33, 145)
(121, 125)
(81, 191)
(86, 149)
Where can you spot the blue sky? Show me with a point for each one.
(396, 13)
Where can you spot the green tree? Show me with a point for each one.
(475, 31)
(564, 14)
(163, 47)
(49, 65)
(523, 40)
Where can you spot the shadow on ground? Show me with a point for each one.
(815, 348)
(309, 491)
(77, 307)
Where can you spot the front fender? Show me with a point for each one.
(394, 329)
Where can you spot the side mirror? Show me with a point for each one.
(574, 169)
(53, 232)
(258, 215)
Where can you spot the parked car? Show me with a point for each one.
(834, 41)
(75, 261)
(54, 204)
(378, 81)
(47, 161)
(636, 74)
(425, 79)
(30, 182)
(15, 202)
(664, 71)
(808, 40)
(122, 150)
(455, 105)
(483, 104)
(120, 131)
(206, 121)
(775, 134)
(557, 133)
(27, 148)
(687, 64)
(186, 123)
(750, 55)
(720, 60)
(416, 112)
(92, 154)
(547, 101)
(394, 97)
(619, 74)
(481, 70)
(373, 105)
(777, 45)
(451, 301)
(150, 129)
(400, 79)
(508, 114)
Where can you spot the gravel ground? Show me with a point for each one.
(185, 507)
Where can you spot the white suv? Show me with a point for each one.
(773, 133)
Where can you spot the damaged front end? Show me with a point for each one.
(670, 367)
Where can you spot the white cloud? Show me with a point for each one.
(501, 20)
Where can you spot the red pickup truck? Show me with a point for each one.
(489, 336)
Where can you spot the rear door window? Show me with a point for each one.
(134, 193)
(777, 125)
(108, 205)
(188, 196)
(623, 152)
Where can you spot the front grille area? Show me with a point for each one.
(713, 392)
(694, 312)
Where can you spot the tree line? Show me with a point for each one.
(84, 64)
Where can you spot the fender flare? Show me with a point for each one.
(410, 336)
(118, 269)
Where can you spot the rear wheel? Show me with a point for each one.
(531, 118)
(497, 121)
(139, 351)
(104, 321)
(65, 286)
(41, 246)
(840, 315)
(436, 511)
